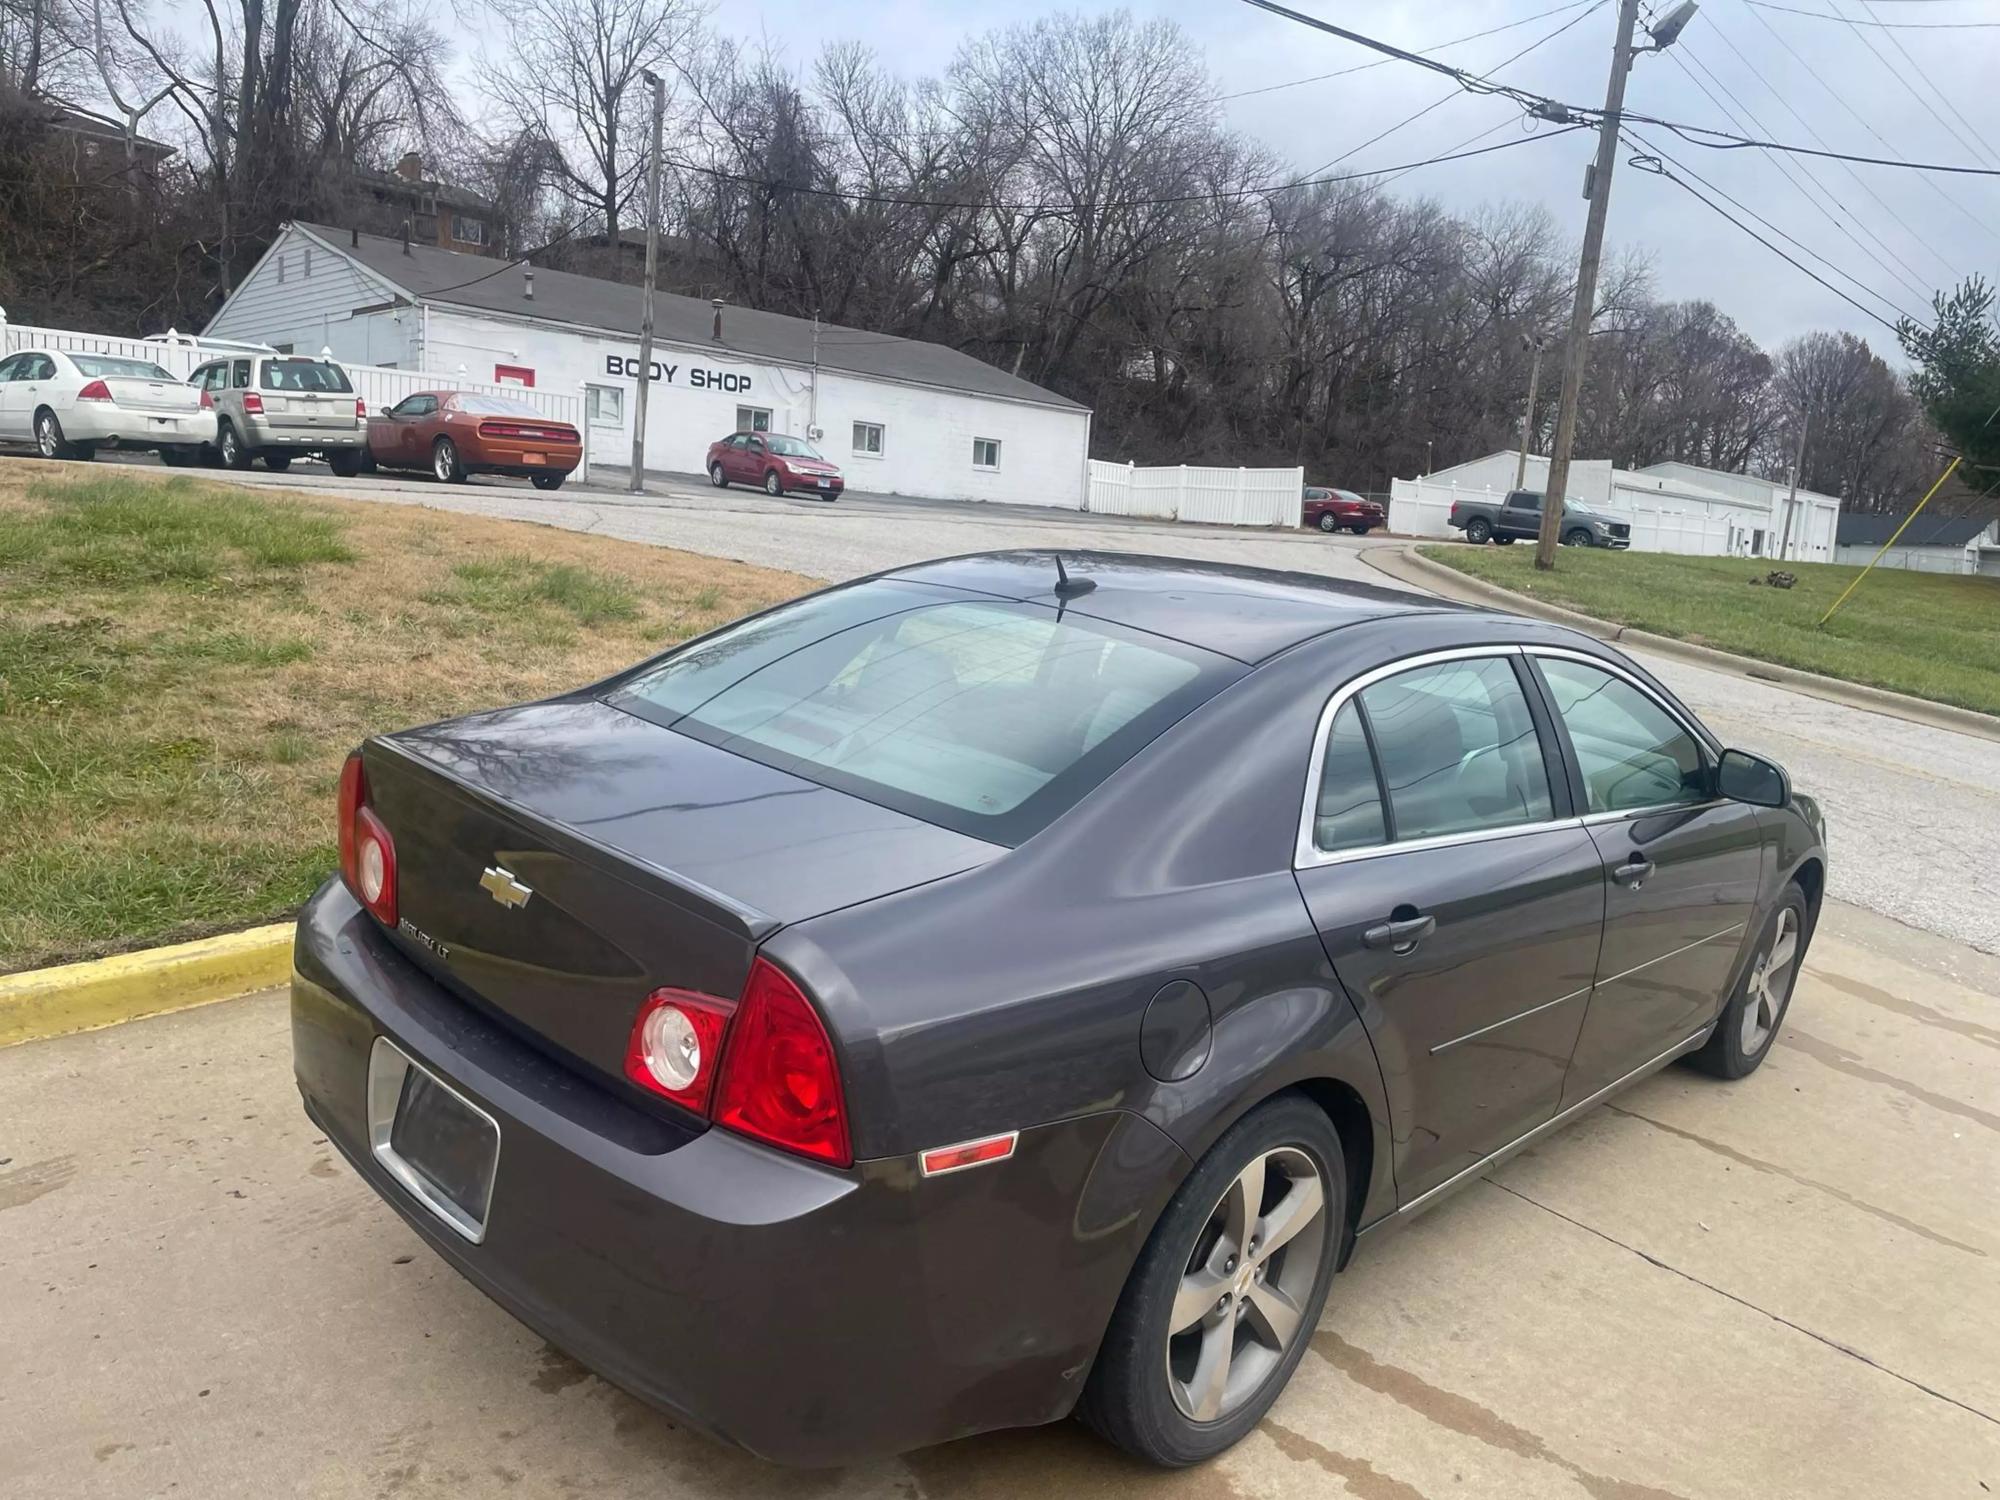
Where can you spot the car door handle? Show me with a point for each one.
(1633, 872)
(1399, 936)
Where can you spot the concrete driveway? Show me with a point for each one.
(1787, 1287)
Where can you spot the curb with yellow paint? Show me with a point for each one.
(126, 986)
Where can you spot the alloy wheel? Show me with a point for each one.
(45, 436)
(1240, 1304)
(1327, 523)
(444, 460)
(1771, 983)
(773, 485)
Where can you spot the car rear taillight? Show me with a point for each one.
(676, 1046)
(360, 410)
(367, 853)
(761, 1065)
(253, 403)
(207, 402)
(97, 390)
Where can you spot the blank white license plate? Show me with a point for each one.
(826, 484)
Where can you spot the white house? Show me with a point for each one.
(1929, 544)
(1671, 507)
(900, 416)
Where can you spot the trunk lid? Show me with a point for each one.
(153, 395)
(649, 859)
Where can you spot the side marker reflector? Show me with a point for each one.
(968, 1154)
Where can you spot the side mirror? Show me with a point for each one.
(1743, 777)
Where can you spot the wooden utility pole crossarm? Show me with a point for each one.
(1581, 313)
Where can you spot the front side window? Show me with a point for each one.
(985, 453)
(985, 716)
(1633, 753)
(1458, 749)
(9, 368)
(868, 438)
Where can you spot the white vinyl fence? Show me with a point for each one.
(379, 385)
(1213, 497)
(1419, 507)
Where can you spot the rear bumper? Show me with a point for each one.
(811, 1316)
(117, 426)
(304, 439)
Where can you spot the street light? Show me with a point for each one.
(1668, 28)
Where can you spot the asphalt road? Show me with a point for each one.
(1914, 811)
(1788, 1287)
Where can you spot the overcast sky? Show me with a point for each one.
(1929, 227)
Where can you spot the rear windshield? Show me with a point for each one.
(496, 406)
(103, 366)
(983, 715)
(304, 375)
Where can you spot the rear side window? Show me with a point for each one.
(304, 375)
(1349, 813)
(1458, 749)
(986, 716)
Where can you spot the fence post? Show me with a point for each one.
(1242, 478)
(583, 428)
(4, 348)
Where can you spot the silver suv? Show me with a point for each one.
(279, 407)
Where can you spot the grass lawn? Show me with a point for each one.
(1928, 634)
(184, 665)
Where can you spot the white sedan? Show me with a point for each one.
(69, 405)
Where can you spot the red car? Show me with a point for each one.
(456, 433)
(1330, 510)
(777, 462)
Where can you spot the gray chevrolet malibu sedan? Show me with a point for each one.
(1013, 986)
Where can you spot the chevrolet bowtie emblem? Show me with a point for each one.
(499, 883)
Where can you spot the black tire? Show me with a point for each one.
(1732, 1050)
(773, 485)
(1360, 530)
(548, 481)
(230, 449)
(1576, 536)
(347, 464)
(179, 458)
(1478, 531)
(1503, 541)
(445, 462)
(1328, 524)
(277, 463)
(717, 478)
(1129, 1398)
(50, 441)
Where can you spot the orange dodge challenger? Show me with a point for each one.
(457, 433)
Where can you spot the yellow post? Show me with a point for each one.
(1950, 469)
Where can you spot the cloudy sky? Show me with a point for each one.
(1899, 233)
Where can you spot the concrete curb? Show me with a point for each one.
(1405, 566)
(104, 991)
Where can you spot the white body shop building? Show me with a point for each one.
(900, 416)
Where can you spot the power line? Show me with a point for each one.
(1272, 88)
(1820, 15)
(1839, 97)
(1545, 107)
(1595, 5)
(1956, 113)
(1792, 172)
(1912, 89)
(1651, 162)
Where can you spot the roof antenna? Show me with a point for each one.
(1067, 587)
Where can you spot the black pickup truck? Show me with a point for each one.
(1520, 515)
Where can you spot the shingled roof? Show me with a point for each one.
(477, 283)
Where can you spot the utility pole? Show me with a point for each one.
(812, 419)
(1536, 343)
(1792, 500)
(1597, 188)
(659, 88)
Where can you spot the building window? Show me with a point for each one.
(468, 231)
(753, 419)
(282, 348)
(985, 453)
(606, 406)
(868, 438)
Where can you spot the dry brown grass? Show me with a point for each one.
(180, 678)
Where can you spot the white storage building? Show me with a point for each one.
(1671, 507)
(900, 416)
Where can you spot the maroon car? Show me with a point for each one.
(1330, 510)
(775, 461)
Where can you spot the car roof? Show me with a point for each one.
(1246, 613)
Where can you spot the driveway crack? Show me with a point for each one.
(1833, 1344)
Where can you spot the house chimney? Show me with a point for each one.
(528, 282)
(411, 167)
(354, 237)
(718, 319)
(406, 236)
